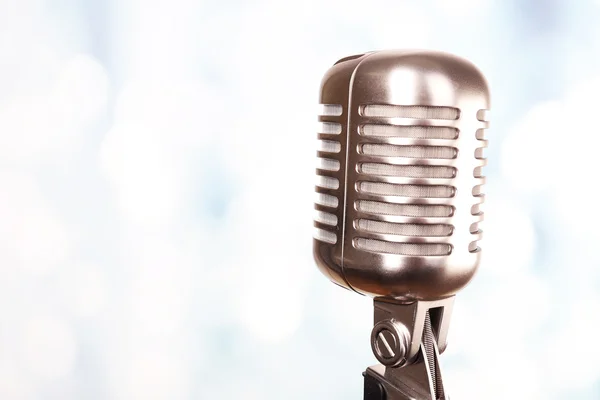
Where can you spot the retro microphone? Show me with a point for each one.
(398, 194)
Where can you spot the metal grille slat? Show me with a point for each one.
(327, 182)
(329, 146)
(418, 112)
(324, 236)
(406, 249)
(390, 150)
(407, 171)
(421, 191)
(404, 229)
(330, 110)
(328, 164)
(326, 200)
(412, 132)
(329, 128)
(403, 210)
(325, 218)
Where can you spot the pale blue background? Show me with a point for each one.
(156, 175)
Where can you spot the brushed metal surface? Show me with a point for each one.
(422, 116)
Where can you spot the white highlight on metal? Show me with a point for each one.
(412, 132)
(404, 229)
(418, 112)
(406, 249)
(422, 191)
(326, 200)
(324, 236)
(390, 150)
(408, 171)
(325, 218)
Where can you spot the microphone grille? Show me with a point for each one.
(400, 172)
(329, 174)
(329, 166)
(392, 164)
(482, 143)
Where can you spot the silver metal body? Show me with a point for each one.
(401, 138)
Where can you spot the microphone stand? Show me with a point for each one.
(407, 340)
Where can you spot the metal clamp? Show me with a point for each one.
(407, 339)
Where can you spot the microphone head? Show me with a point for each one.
(399, 174)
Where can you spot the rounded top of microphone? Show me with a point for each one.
(436, 77)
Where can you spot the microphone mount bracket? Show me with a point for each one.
(407, 340)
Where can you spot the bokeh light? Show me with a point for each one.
(157, 172)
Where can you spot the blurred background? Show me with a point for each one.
(156, 172)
